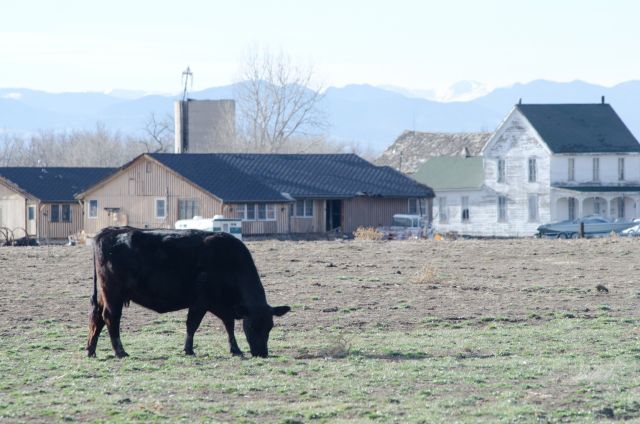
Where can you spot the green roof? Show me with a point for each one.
(451, 173)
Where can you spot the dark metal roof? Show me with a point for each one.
(601, 189)
(54, 184)
(238, 177)
(580, 128)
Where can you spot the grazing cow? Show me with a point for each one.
(166, 271)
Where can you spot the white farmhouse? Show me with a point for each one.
(545, 162)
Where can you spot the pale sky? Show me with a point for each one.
(88, 45)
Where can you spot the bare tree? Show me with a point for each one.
(159, 134)
(277, 102)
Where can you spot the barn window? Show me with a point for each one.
(533, 170)
(533, 208)
(161, 208)
(188, 208)
(54, 216)
(572, 208)
(31, 213)
(464, 207)
(501, 170)
(271, 212)
(93, 208)
(571, 169)
(66, 213)
(502, 209)
(304, 208)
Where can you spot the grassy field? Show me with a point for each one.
(422, 338)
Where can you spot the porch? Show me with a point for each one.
(622, 203)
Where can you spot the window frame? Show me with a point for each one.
(465, 211)
(501, 176)
(243, 211)
(31, 213)
(192, 205)
(533, 207)
(595, 171)
(443, 215)
(533, 170)
(571, 169)
(155, 207)
(92, 208)
(502, 209)
(307, 207)
(54, 217)
(621, 169)
(65, 213)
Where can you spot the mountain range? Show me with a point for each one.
(361, 115)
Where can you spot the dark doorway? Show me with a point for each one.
(334, 214)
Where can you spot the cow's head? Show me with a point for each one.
(257, 322)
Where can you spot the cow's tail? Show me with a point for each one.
(94, 298)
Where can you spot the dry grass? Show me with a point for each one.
(428, 275)
(367, 233)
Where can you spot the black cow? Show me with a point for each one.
(167, 270)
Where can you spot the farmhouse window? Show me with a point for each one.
(66, 213)
(55, 213)
(416, 207)
(571, 169)
(93, 208)
(501, 170)
(533, 171)
(464, 207)
(161, 208)
(502, 209)
(442, 210)
(621, 207)
(533, 208)
(31, 213)
(572, 208)
(620, 169)
(188, 208)
(304, 208)
(596, 169)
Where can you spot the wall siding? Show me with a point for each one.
(370, 212)
(48, 230)
(13, 208)
(134, 191)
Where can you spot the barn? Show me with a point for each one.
(39, 202)
(272, 194)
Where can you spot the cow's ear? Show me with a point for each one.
(280, 310)
(240, 311)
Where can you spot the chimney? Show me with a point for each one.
(520, 101)
(602, 99)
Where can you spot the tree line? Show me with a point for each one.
(278, 106)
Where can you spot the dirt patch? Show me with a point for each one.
(350, 284)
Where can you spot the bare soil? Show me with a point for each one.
(358, 284)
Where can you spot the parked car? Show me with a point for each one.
(593, 226)
(633, 231)
(403, 227)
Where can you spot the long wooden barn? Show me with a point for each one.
(271, 193)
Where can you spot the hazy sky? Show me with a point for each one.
(87, 45)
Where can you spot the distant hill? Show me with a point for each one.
(359, 114)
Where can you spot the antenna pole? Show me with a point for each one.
(187, 76)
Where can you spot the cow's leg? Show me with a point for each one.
(96, 323)
(194, 318)
(112, 315)
(229, 324)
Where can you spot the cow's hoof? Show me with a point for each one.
(237, 353)
(189, 353)
(122, 354)
(91, 354)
